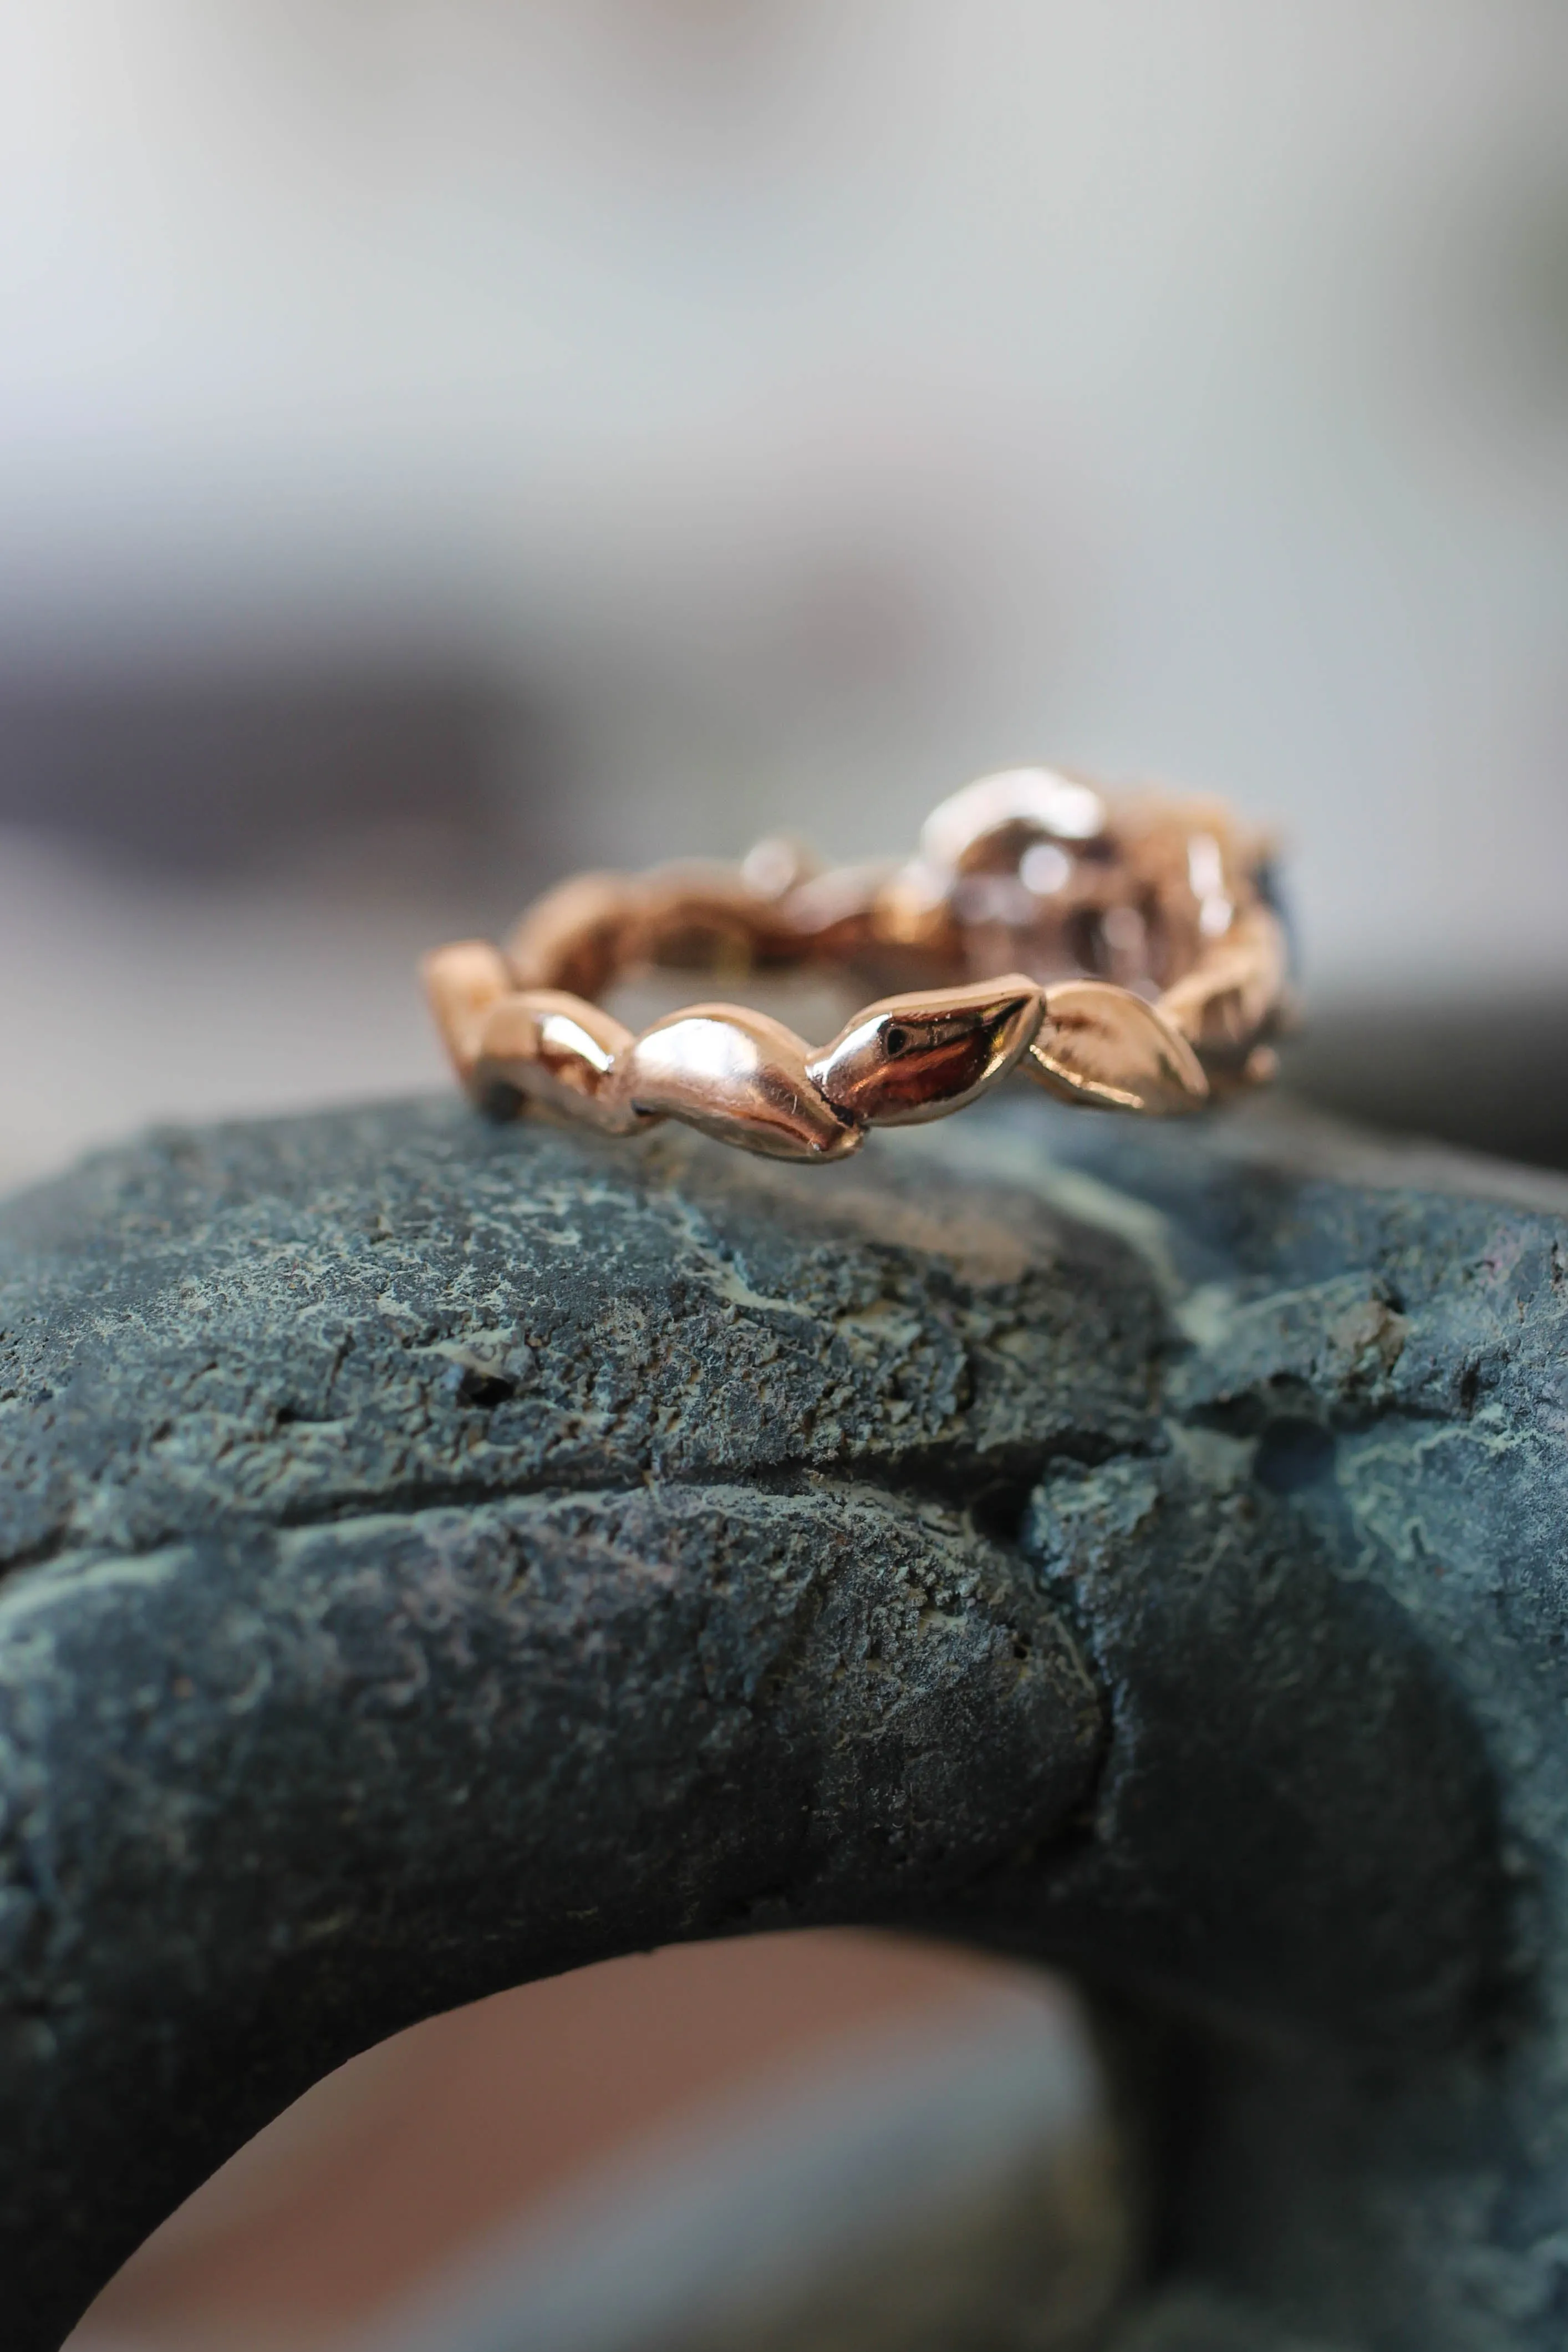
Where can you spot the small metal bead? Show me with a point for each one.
(831, 916)
(778, 864)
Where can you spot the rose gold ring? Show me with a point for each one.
(1126, 952)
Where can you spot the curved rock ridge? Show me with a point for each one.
(435, 1554)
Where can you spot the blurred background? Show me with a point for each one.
(444, 442)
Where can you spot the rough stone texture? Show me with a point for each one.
(438, 1555)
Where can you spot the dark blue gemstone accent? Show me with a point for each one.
(1270, 889)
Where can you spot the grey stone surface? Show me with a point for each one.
(438, 1555)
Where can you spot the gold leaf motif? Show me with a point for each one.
(557, 1049)
(919, 1055)
(463, 982)
(1102, 1045)
(738, 1075)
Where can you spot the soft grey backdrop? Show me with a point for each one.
(746, 411)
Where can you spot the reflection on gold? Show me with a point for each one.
(1142, 967)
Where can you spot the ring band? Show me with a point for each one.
(1142, 955)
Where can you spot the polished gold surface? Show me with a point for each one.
(1143, 968)
(738, 1075)
(557, 1049)
(921, 1055)
(463, 982)
(1224, 1005)
(1106, 1048)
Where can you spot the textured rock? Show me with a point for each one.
(438, 1555)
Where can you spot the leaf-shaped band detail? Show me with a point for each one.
(919, 1055)
(747, 1078)
(1106, 1048)
(1152, 974)
(740, 1076)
